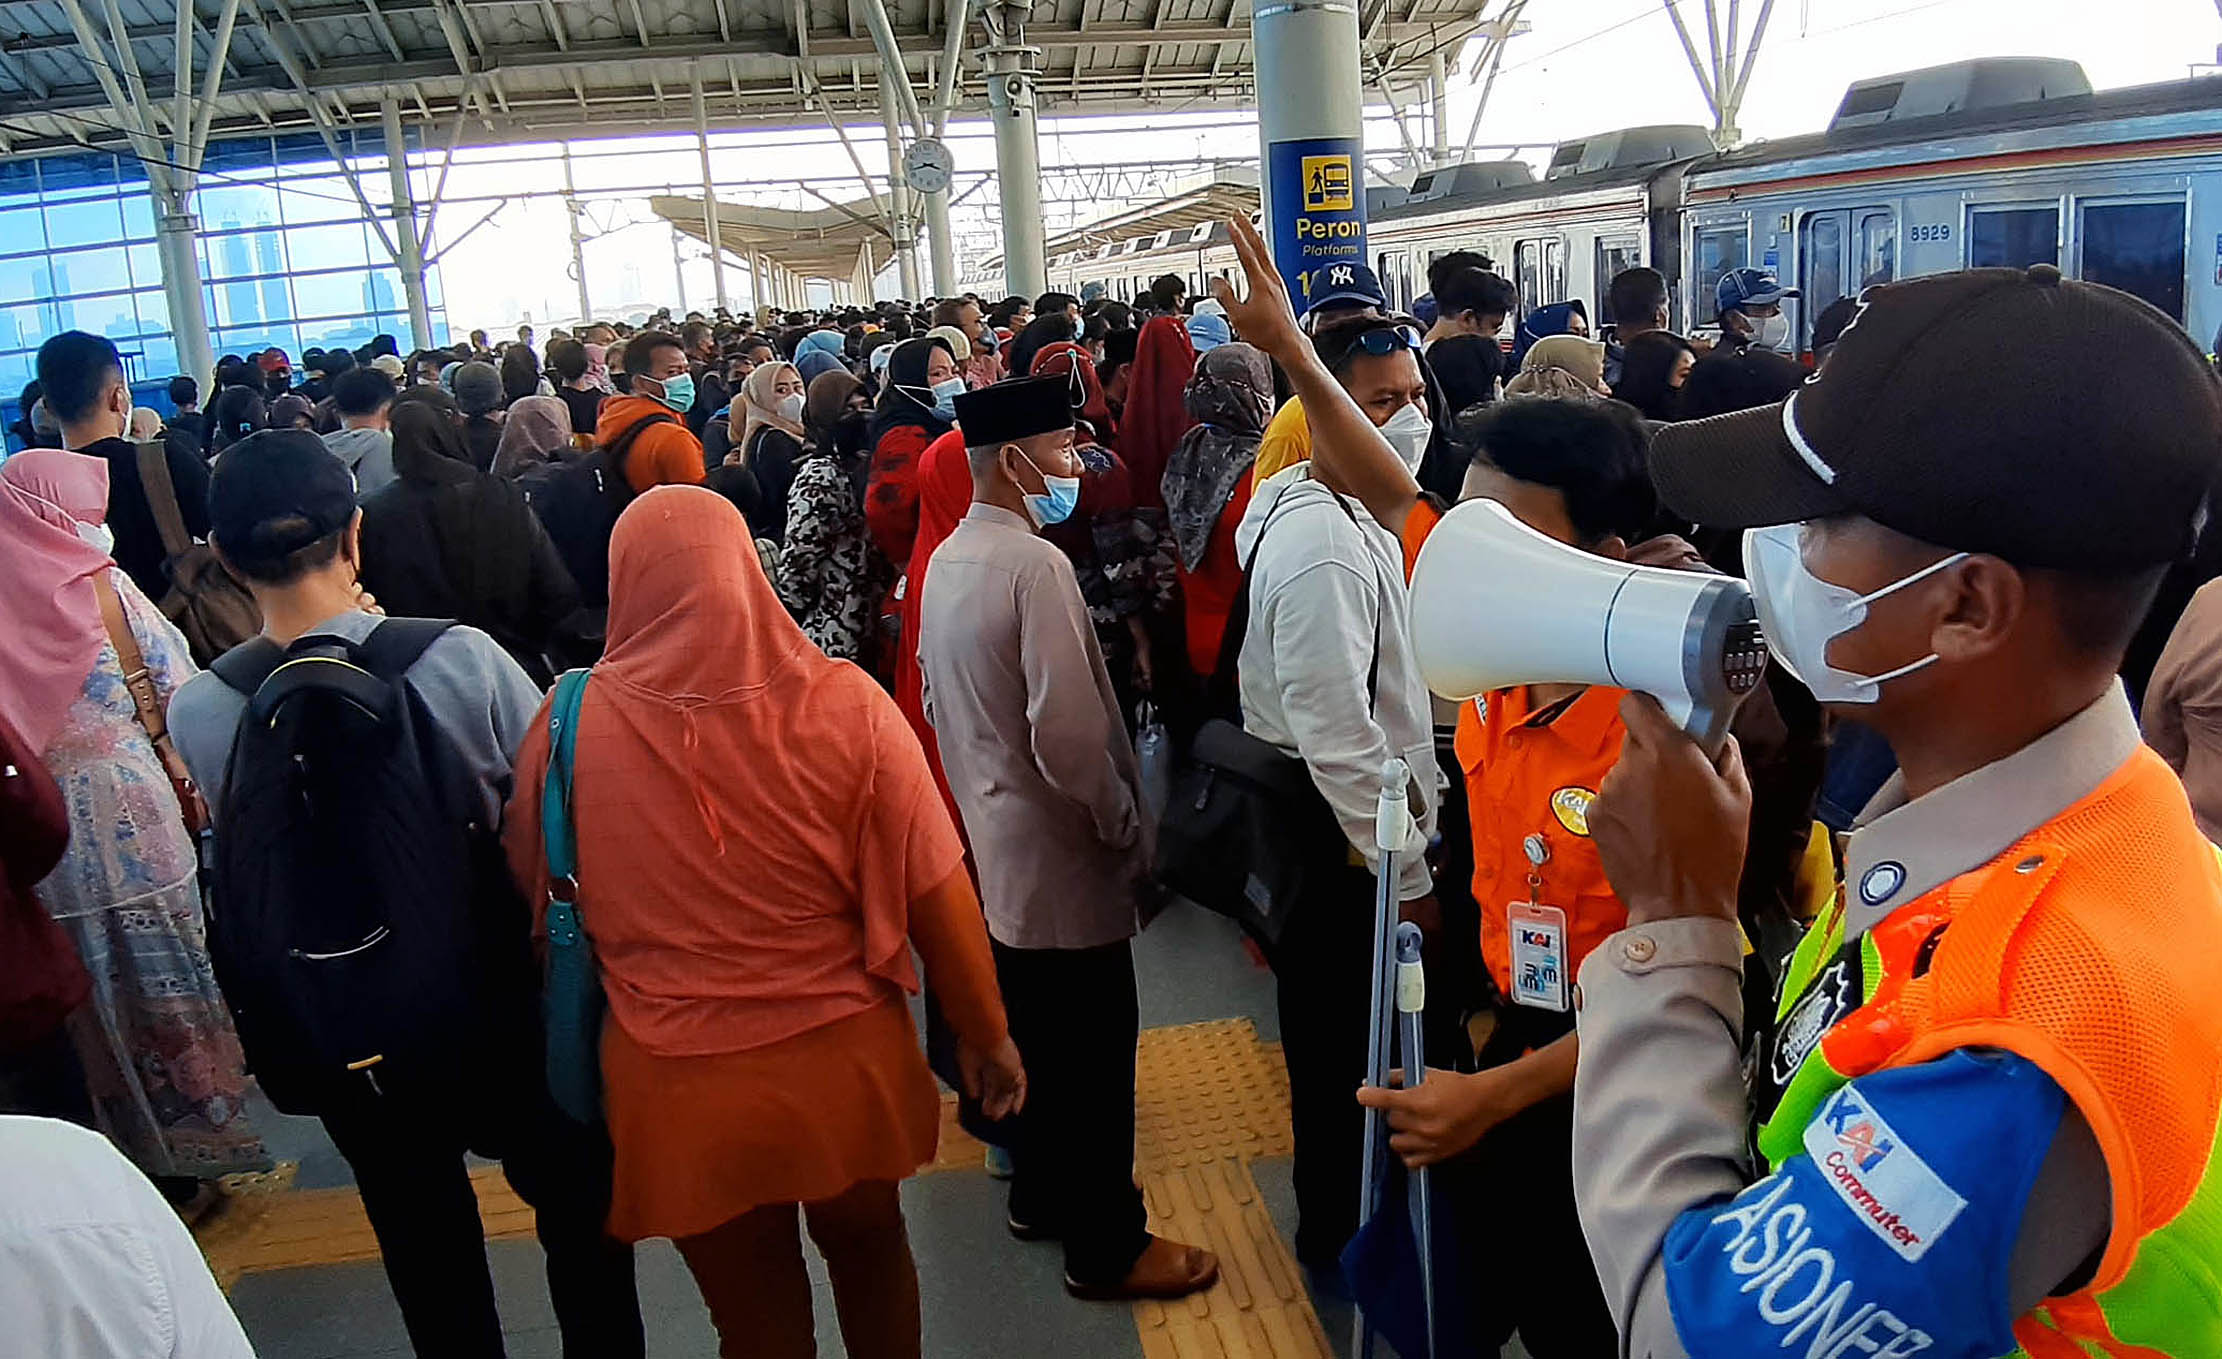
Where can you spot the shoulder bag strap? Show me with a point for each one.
(558, 837)
(161, 493)
(146, 702)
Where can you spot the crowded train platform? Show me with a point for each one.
(1618, 762)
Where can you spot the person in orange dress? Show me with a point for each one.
(755, 870)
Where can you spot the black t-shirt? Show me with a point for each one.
(586, 406)
(138, 538)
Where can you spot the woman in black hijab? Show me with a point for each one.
(446, 540)
(1653, 367)
(911, 414)
(1039, 334)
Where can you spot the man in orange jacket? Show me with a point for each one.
(1986, 1105)
(659, 387)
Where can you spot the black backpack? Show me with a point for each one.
(578, 504)
(344, 922)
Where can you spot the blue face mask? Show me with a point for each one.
(678, 391)
(1060, 497)
(944, 396)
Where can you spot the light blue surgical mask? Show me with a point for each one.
(946, 393)
(1060, 496)
(678, 391)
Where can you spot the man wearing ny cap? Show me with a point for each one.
(1748, 306)
(1047, 784)
(1985, 1107)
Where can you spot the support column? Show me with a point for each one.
(942, 245)
(176, 230)
(1438, 92)
(578, 240)
(1018, 167)
(709, 195)
(898, 184)
(1312, 134)
(407, 245)
(679, 271)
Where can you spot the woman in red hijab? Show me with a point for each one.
(944, 497)
(1155, 416)
(755, 869)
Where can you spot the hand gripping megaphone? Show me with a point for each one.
(1495, 603)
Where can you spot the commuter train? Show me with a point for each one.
(2007, 161)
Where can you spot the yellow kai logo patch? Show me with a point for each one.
(1571, 807)
(1328, 184)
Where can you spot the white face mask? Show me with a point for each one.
(790, 407)
(99, 535)
(1771, 332)
(1801, 614)
(1408, 432)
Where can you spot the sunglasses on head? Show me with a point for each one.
(1386, 340)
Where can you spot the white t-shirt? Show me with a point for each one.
(93, 1264)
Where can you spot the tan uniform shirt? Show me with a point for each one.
(1660, 1113)
(1030, 737)
(2183, 706)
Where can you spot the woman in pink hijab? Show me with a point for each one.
(162, 1062)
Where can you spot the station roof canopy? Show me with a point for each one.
(537, 69)
(828, 242)
(1232, 190)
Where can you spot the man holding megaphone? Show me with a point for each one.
(1986, 1105)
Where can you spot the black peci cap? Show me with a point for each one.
(2052, 423)
(1019, 408)
(275, 492)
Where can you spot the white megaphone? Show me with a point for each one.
(1495, 604)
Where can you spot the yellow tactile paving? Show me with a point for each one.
(1209, 1098)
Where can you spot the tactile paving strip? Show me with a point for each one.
(1209, 1098)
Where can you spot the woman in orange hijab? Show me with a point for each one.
(754, 868)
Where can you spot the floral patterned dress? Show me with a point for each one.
(830, 577)
(161, 1058)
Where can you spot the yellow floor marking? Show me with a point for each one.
(1209, 1099)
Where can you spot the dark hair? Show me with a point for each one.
(568, 359)
(951, 312)
(183, 391)
(1830, 324)
(751, 343)
(288, 567)
(338, 361)
(520, 373)
(1639, 293)
(1006, 311)
(1477, 291)
(361, 391)
(790, 341)
(1166, 291)
(1117, 315)
(1593, 453)
(1054, 301)
(1738, 380)
(640, 348)
(1118, 351)
(1647, 364)
(1440, 269)
(1051, 327)
(2100, 612)
(74, 368)
(694, 333)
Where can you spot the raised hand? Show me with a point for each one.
(1264, 317)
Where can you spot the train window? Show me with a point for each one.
(1614, 257)
(2012, 238)
(2137, 247)
(1718, 250)
(1877, 239)
(1384, 273)
(1541, 270)
(1820, 262)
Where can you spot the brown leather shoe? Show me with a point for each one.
(1166, 1269)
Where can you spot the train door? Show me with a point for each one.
(1539, 269)
(1841, 253)
(1715, 248)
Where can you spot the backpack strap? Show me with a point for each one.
(622, 446)
(161, 493)
(247, 665)
(396, 643)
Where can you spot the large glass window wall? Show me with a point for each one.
(287, 258)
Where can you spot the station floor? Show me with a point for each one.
(1212, 1155)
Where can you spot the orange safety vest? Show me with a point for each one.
(2093, 948)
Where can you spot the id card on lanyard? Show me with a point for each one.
(1538, 956)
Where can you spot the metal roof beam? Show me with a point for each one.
(385, 30)
(556, 28)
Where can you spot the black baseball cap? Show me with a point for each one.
(275, 492)
(2053, 423)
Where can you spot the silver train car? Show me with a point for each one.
(2007, 161)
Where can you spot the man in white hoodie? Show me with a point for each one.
(1326, 673)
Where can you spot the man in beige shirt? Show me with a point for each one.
(1049, 790)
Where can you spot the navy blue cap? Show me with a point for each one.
(1342, 284)
(275, 492)
(1740, 288)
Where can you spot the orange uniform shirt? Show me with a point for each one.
(1532, 772)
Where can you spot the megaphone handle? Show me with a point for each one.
(1708, 725)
